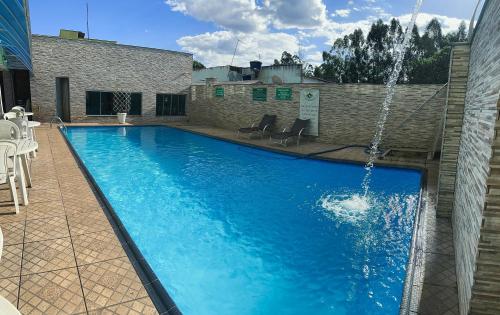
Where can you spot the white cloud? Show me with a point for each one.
(240, 15)
(216, 49)
(448, 24)
(315, 58)
(260, 24)
(247, 16)
(296, 13)
(342, 12)
(333, 30)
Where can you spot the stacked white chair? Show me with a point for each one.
(8, 153)
(12, 135)
(9, 131)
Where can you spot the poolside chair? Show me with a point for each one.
(10, 131)
(265, 124)
(22, 124)
(6, 308)
(10, 115)
(8, 152)
(296, 131)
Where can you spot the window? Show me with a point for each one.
(101, 103)
(170, 104)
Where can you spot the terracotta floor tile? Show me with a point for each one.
(9, 289)
(8, 214)
(142, 306)
(44, 195)
(10, 265)
(440, 270)
(13, 232)
(44, 185)
(438, 300)
(110, 282)
(95, 247)
(7, 204)
(42, 210)
(74, 208)
(88, 222)
(57, 292)
(46, 229)
(47, 256)
(80, 194)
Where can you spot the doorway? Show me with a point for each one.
(62, 99)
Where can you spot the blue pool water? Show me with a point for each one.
(230, 229)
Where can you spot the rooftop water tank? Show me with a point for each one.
(255, 65)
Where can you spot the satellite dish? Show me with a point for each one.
(276, 80)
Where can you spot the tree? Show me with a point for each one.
(432, 69)
(288, 59)
(198, 65)
(459, 36)
(380, 58)
(354, 58)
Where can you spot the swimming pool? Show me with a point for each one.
(230, 229)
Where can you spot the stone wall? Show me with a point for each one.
(476, 212)
(348, 112)
(452, 131)
(103, 66)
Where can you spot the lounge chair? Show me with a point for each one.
(265, 124)
(296, 131)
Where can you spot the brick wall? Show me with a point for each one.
(476, 211)
(348, 112)
(103, 66)
(452, 131)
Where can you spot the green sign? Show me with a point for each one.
(284, 94)
(259, 94)
(219, 92)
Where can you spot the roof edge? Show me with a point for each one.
(111, 43)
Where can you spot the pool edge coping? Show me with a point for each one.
(422, 168)
(415, 258)
(415, 252)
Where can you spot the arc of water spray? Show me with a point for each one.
(399, 54)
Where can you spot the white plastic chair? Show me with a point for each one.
(8, 152)
(6, 308)
(18, 110)
(22, 124)
(10, 115)
(10, 131)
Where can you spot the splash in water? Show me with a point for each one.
(399, 53)
(347, 208)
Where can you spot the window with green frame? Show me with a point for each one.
(170, 104)
(100, 103)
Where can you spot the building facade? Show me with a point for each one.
(275, 74)
(78, 79)
(15, 54)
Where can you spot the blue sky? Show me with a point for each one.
(210, 28)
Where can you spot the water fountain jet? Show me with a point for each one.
(399, 53)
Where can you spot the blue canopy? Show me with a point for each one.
(15, 50)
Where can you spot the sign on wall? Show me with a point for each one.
(219, 91)
(259, 94)
(283, 94)
(309, 109)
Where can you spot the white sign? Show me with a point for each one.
(309, 109)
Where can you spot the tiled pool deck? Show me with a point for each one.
(62, 256)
